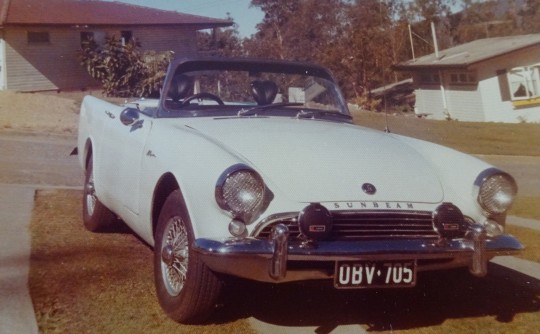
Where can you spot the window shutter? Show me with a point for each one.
(503, 85)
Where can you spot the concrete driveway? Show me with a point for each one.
(16, 310)
(27, 163)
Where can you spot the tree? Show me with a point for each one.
(221, 42)
(272, 36)
(369, 50)
(295, 29)
(486, 19)
(122, 69)
(529, 14)
(422, 14)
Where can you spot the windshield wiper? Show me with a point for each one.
(255, 110)
(318, 114)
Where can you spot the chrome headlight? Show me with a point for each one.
(496, 191)
(241, 191)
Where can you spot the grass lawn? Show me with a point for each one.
(526, 207)
(468, 137)
(81, 282)
(528, 237)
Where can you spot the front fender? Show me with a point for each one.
(457, 172)
(196, 163)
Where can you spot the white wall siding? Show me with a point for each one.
(2, 61)
(429, 102)
(465, 103)
(503, 111)
(482, 102)
(497, 110)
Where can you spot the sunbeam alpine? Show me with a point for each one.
(254, 169)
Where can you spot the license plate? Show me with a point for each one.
(375, 274)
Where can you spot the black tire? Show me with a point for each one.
(96, 216)
(186, 288)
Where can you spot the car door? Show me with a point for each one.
(122, 153)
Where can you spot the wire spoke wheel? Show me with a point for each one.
(186, 288)
(175, 256)
(96, 216)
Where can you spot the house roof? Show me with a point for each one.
(95, 12)
(465, 55)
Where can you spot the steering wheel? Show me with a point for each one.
(201, 96)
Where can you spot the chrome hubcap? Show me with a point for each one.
(90, 195)
(174, 256)
(167, 255)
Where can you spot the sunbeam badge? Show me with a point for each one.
(369, 189)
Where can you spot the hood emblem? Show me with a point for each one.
(369, 189)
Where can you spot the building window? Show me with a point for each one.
(87, 39)
(524, 82)
(38, 37)
(126, 36)
(463, 78)
(430, 78)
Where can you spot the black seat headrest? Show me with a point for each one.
(264, 92)
(181, 87)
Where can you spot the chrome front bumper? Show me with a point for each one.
(278, 260)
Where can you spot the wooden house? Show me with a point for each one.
(487, 80)
(39, 39)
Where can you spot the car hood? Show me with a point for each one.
(320, 161)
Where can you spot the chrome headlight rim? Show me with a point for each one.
(221, 192)
(488, 203)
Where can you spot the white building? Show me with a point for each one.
(487, 80)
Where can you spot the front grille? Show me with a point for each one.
(361, 225)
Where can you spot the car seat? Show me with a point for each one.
(181, 87)
(264, 92)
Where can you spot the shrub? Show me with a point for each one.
(122, 69)
(367, 103)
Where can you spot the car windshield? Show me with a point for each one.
(252, 91)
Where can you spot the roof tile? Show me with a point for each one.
(470, 53)
(95, 12)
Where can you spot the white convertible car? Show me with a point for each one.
(254, 169)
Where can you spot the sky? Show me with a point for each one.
(245, 17)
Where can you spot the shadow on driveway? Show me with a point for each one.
(439, 296)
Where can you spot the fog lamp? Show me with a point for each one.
(315, 222)
(449, 221)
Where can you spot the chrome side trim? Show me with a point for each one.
(271, 220)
